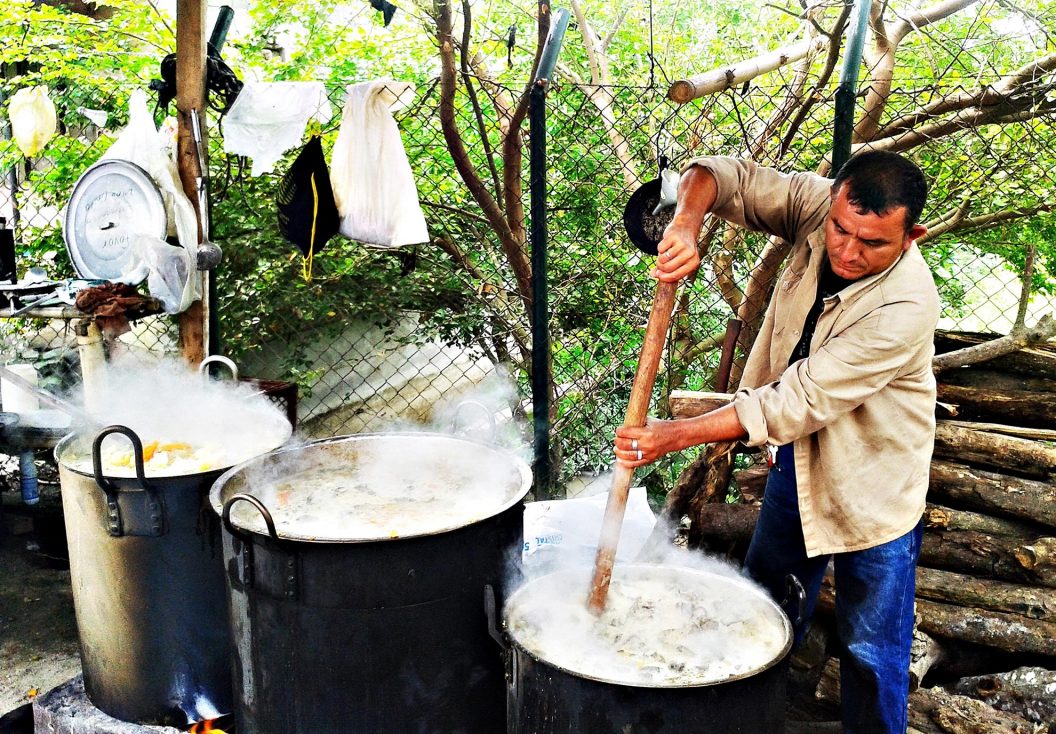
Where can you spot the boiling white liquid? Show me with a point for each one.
(661, 627)
(395, 486)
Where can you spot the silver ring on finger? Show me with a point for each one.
(639, 454)
(634, 444)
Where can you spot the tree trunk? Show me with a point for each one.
(996, 596)
(967, 551)
(1026, 692)
(1007, 632)
(1018, 455)
(981, 490)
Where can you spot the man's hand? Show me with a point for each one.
(678, 249)
(640, 446)
(678, 256)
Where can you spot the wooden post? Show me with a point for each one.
(190, 95)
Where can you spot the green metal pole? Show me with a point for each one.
(848, 86)
(540, 304)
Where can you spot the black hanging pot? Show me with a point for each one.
(644, 224)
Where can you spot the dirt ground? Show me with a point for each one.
(38, 634)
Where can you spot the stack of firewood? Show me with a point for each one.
(985, 651)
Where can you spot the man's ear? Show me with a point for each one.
(915, 233)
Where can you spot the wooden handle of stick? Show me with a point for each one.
(637, 411)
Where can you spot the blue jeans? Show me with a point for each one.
(874, 603)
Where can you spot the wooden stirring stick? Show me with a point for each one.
(637, 411)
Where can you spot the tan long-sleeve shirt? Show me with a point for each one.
(860, 409)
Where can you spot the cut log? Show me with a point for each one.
(1008, 453)
(984, 377)
(727, 523)
(1026, 692)
(829, 684)
(934, 711)
(751, 483)
(977, 489)
(925, 653)
(980, 554)
(1022, 407)
(1037, 361)
(1008, 632)
(937, 517)
(691, 403)
(1039, 556)
(996, 596)
(1035, 434)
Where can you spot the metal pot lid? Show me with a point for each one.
(112, 203)
(371, 487)
(662, 627)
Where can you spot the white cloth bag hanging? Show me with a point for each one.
(373, 185)
(269, 118)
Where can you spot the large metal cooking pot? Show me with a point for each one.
(561, 690)
(341, 630)
(148, 587)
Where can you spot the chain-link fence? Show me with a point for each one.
(378, 336)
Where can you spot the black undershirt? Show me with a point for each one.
(829, 284)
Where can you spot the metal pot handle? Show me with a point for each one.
(460, 409)
(794, 593)
(268, 521)
(218, 359)
(491, 611)
(133, 522)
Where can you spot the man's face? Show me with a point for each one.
(860, 244)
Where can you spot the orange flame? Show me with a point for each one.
(205, 726)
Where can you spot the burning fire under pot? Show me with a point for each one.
(358, 572)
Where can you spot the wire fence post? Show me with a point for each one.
(843, 128)
(541, 368)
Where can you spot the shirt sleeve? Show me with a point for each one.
(841, 375)
(764, 199)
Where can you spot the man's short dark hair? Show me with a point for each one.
(879, 181)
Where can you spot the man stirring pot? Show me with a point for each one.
(839, 388)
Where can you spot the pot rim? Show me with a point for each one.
(744, 584)
(517, 462)
(63, 446)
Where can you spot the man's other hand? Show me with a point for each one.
(678, 256)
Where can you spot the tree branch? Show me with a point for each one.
(467, 81)
(511, 244)
(880, 61)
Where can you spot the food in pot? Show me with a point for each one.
(381, 487)
(661, 626)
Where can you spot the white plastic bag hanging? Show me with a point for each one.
(142, 144)
(33, 121)
(372, 180)
(268, 118)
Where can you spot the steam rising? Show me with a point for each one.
(223, 422)
(378, 487)
(662, 626)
